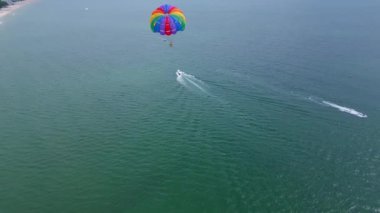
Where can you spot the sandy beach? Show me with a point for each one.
(12, 8)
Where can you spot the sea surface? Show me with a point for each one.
(278, 109)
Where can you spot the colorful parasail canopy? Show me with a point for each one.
(167, 20)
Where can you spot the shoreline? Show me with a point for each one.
(10, 9)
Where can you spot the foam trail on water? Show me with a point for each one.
(351, 111)
(316, 100)
(191, 82)
(182, 81)
(197, 85)
(345, 109)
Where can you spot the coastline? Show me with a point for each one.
(12, 8)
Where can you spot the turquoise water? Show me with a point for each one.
(94, 119)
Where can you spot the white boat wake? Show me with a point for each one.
(345, 109)
(336, 106)
(191, 82)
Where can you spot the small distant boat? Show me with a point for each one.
(179, 73)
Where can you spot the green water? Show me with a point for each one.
(93, 118)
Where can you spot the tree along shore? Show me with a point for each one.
(5, 3)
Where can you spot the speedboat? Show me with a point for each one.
(179, 73)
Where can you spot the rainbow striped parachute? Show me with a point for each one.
(167, 20)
